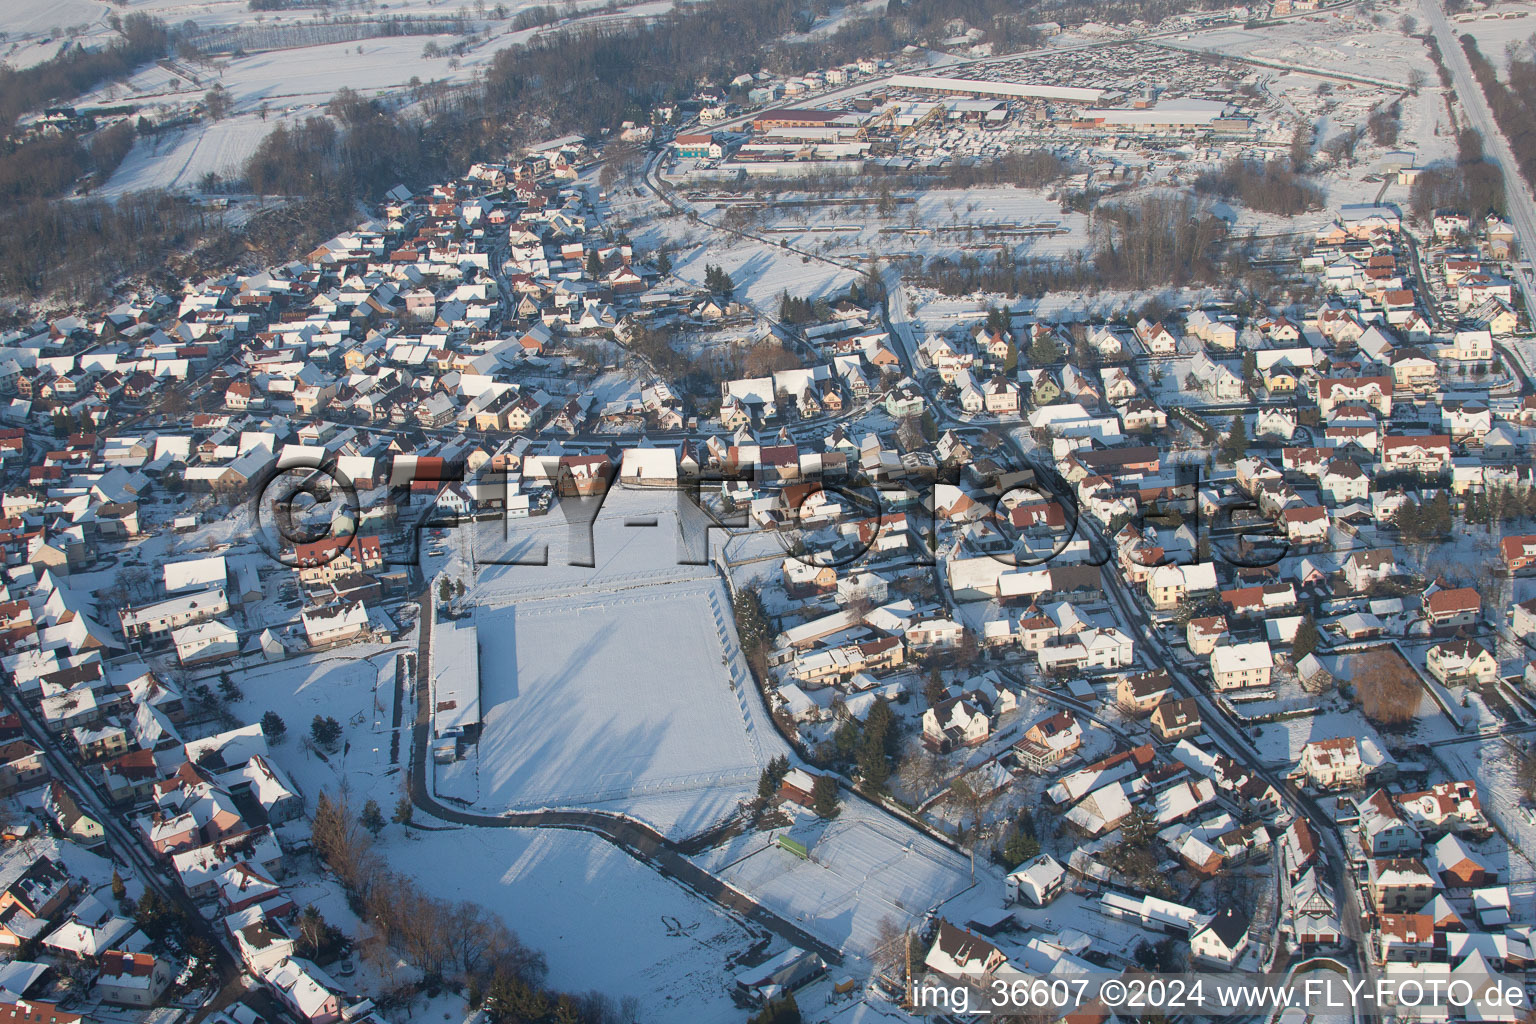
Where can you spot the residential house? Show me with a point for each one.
(1453, 607)
(1050, 741)
(1138, 693)
(1461, 662)
(1174, 720)
(1399, 884)
(133, 979)
(1037, 881)
(1235, 666)
(1222, 939)
(1333, 763)
(954, 723)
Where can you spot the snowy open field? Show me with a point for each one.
(604, 698)
(618, 686)
(291, 82)
(22, 18)
(35, 29)
(865, 868)
(1323, 43)
(1499, 28)
(761, 272)
(603, 920)
(937, 221)
(180, 158)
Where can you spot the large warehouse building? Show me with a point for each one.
(999, 90)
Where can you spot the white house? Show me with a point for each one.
(194, 574)
(1039, 881)
(1333, 763)
(205, 641)
(132, 979)
(1223, 938)
(1235, 666)
(305, 990)
(954, 723)
(1461, 661)
(333, 623)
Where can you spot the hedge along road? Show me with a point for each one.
(640, 841)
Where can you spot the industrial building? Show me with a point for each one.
(998, 90)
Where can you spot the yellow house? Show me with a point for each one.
(1280, 379)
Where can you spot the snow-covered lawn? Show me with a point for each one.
(602, 919)
(1494, 764)
(1280, 743)
(864, 868)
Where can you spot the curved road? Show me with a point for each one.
(640, 841)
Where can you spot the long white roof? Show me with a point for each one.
(455, 676)
(1019, 90)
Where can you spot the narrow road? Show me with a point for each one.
(640, 841)
(1522, 211)
(122, 841)
(1132, 611)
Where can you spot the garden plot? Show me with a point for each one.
(864, 868)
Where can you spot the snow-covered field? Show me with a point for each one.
(761, 272)
(1499, 29)
(294, 82)
(864, 868)
(936, 221)
(1323, 43)
(23, 18)
(602, 919)
(592, 700)
(30, 24)
(618, 686)
(181, 158)
(313, 74)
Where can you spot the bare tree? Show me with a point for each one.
(1388, 691)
